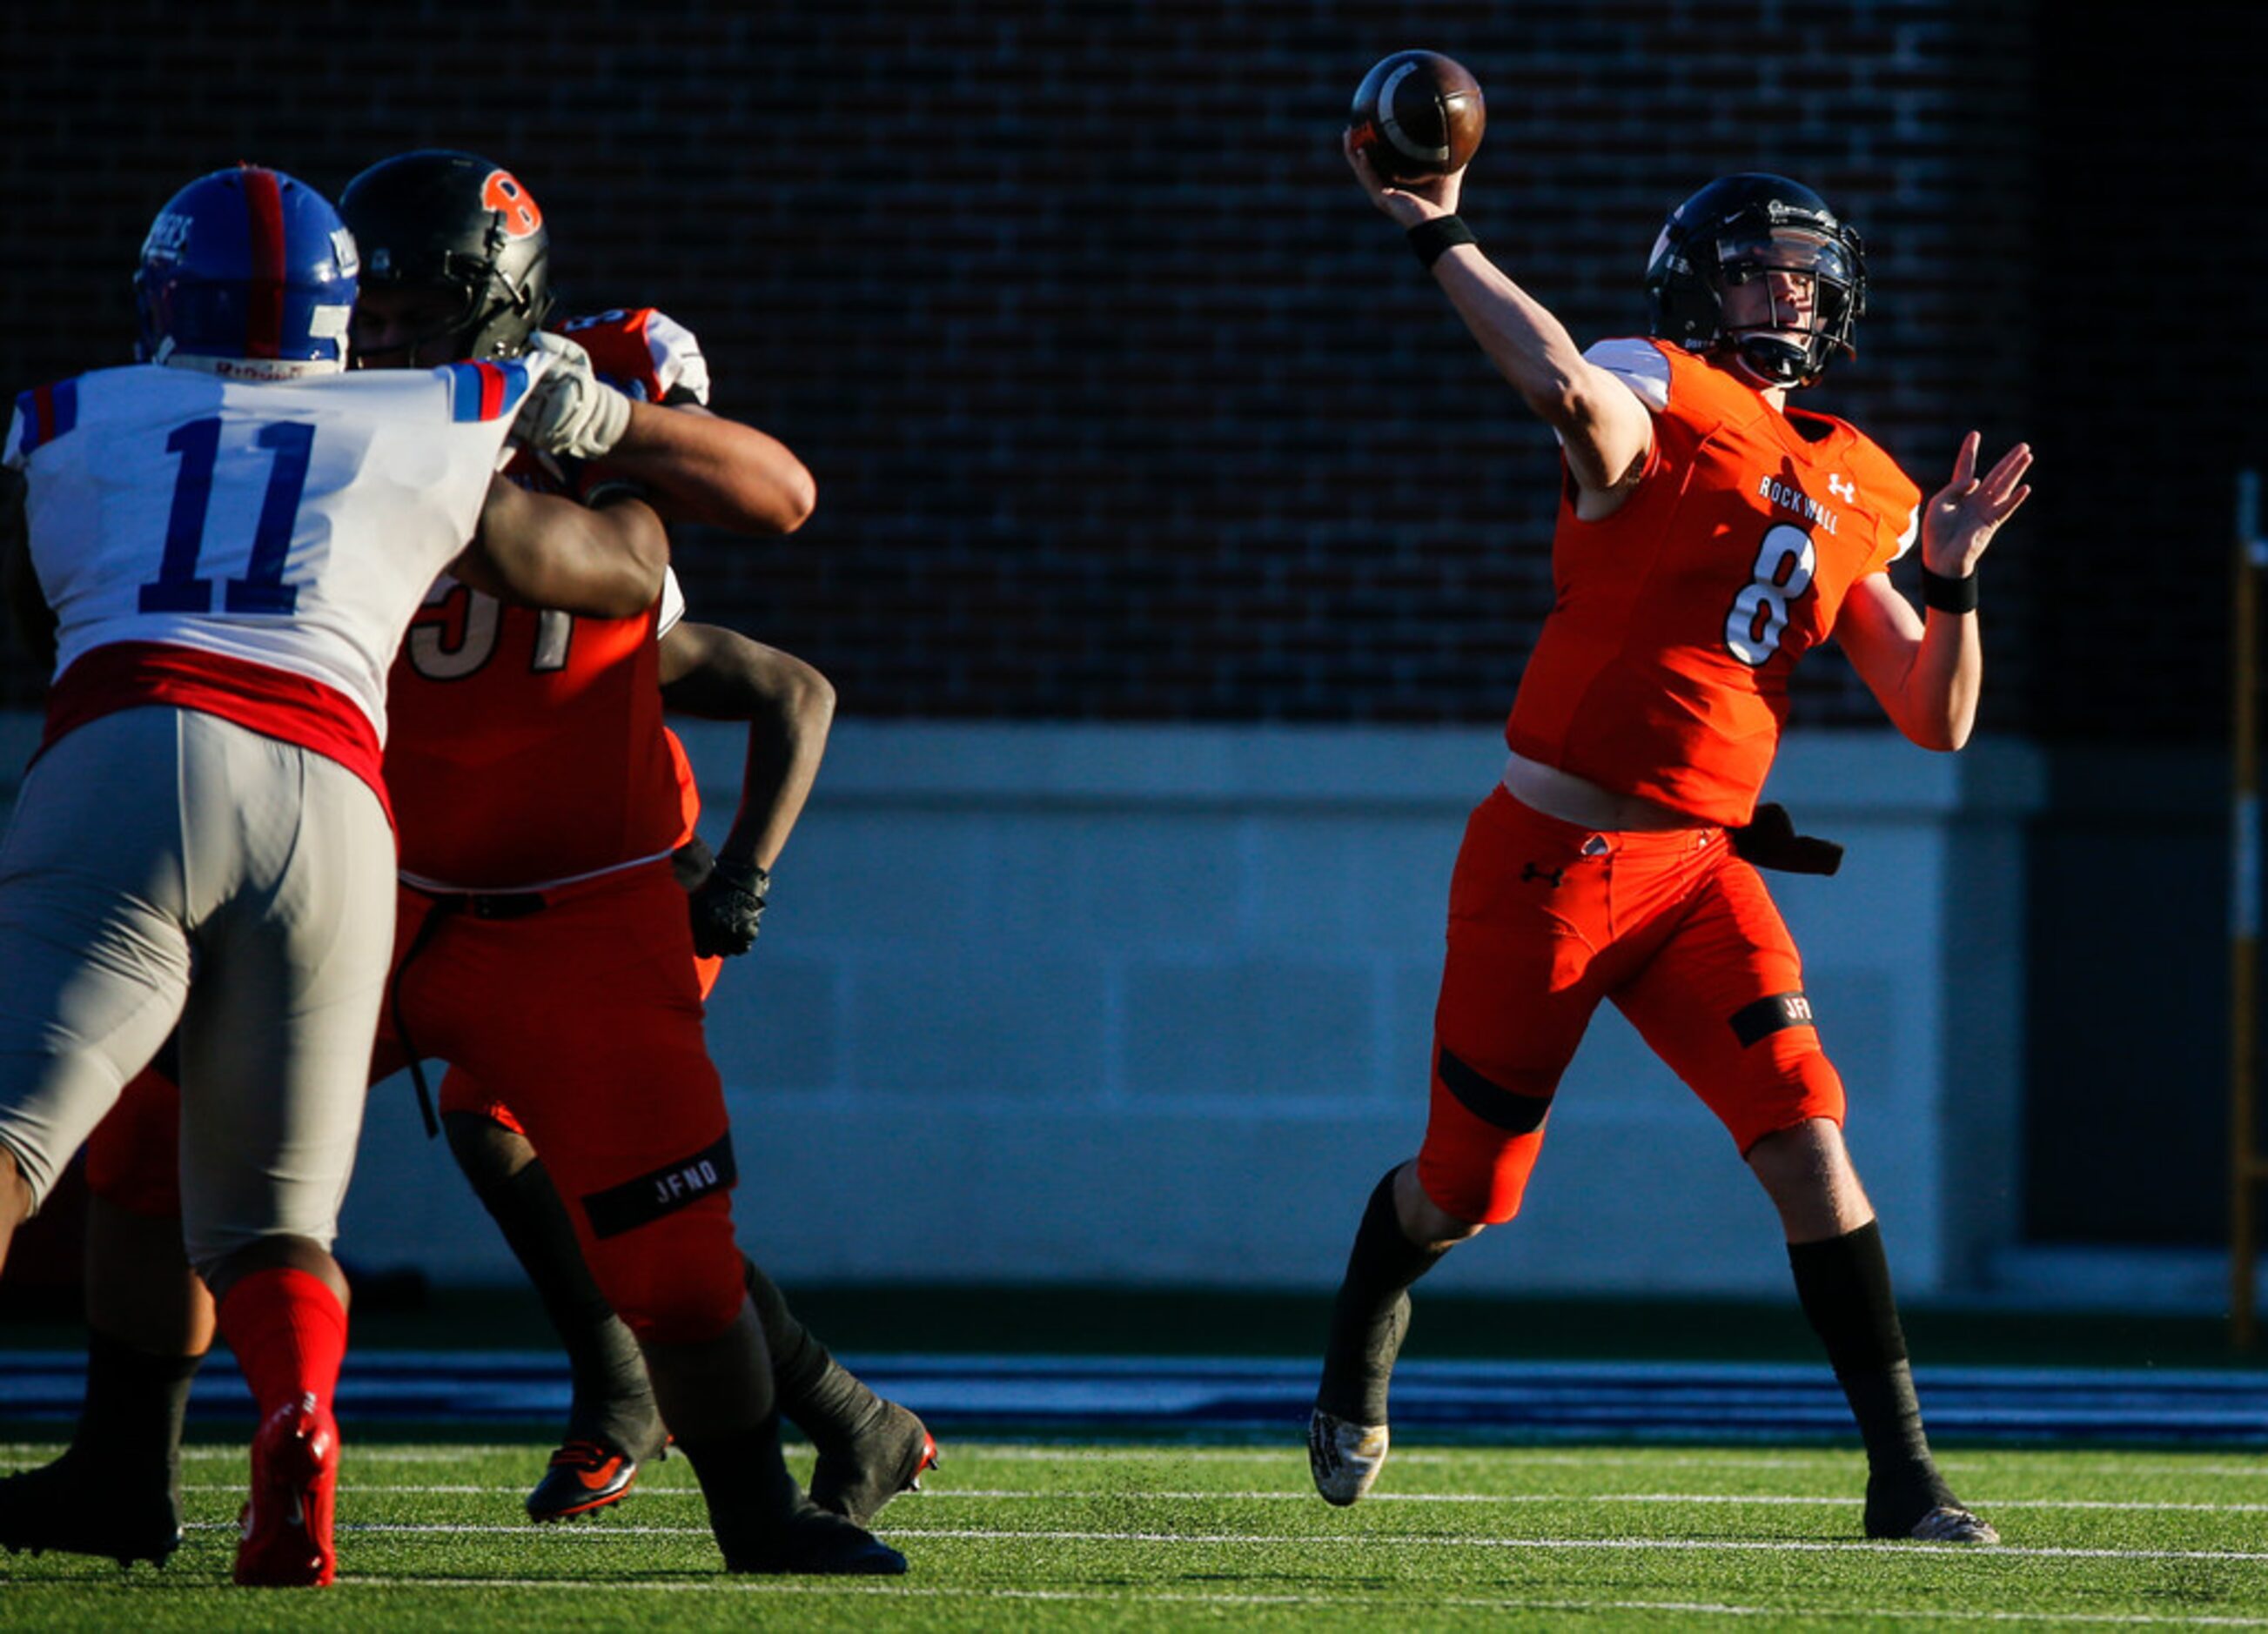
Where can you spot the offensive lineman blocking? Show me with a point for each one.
(1708, 535)
(551, 795)
(232, 536)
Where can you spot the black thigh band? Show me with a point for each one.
(1752, 1024)
(674, 1186)
(1491, 1103)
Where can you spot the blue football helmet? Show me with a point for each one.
(246, 273)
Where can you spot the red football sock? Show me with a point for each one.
(289, 1332)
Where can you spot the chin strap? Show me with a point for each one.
(1776, 361)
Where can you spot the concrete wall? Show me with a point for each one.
(1153, 1005)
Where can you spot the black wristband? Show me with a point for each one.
(1942, 594)
(1433, 239)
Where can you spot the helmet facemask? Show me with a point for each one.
(1787, 300)
(1757, 266)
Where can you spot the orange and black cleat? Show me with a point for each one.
(585, 1476)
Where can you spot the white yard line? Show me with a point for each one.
(1665, 1608)
(608, 1532)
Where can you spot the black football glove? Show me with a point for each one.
(728, 908)
(1770, 841)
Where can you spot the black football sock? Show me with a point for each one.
(1372, 1312)
(613, 1400)
(130, 1429)
(823, 1398)
(745, 1480)
(1844, 1286)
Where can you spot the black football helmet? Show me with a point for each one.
(1741, 228)
(444, 220)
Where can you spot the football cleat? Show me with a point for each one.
(66, 1506)
(1950, 1523)
(887, 1455)
(1344, 1458)
(814, 1542)
(286, 1527)
(584, 1475)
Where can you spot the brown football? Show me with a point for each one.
(1417, 114)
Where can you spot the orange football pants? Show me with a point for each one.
(1546, 919)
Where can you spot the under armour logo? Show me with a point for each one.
(1529, 871)
(1842, 487)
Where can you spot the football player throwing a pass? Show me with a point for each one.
(1709, 534)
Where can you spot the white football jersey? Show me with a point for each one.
(294, 524)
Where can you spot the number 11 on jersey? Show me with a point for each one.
(177, 588)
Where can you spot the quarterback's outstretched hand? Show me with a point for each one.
(571, 413)
(1962, 516)
(1407, 203)
(727, 909)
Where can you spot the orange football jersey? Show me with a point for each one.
(1662, 669)
(526, 747)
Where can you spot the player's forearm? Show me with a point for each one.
(1600, 424)
(790, 708)
(545, 551)
(776, 784)
(704, 468)
(1938, 700)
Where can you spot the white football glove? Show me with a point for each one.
(571, 413)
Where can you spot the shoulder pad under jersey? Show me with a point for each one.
(644, 352)
(1639, 364)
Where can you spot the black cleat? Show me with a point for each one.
(64, 1507)
(888, 1454)
(813, 1542)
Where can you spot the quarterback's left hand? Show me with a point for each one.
(571, 413)
(1962, 516)
(728, 909)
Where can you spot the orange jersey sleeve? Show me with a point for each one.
(1662, 669)
(648, 355)
(644, 352)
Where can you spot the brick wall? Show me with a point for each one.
(1123, 402)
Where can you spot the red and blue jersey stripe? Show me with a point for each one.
(47, 413)
(486, 391)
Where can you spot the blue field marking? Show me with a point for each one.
(1506, 1401)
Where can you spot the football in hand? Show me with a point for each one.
(1416, 115)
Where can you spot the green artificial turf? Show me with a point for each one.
(1053, 1536)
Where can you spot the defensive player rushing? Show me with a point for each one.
(1708, 535)
(553, 766)
(221, 549)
